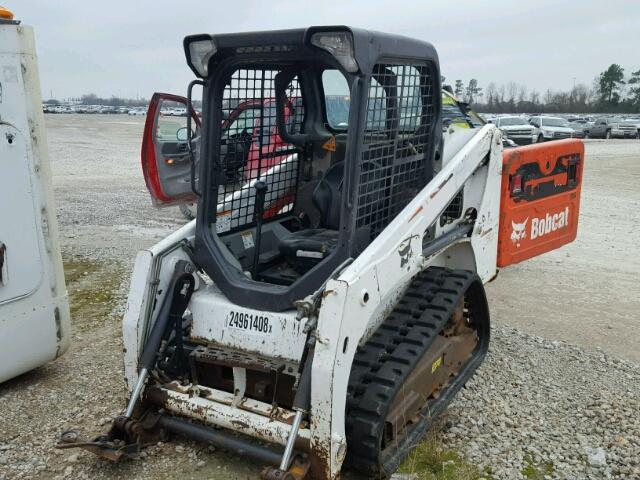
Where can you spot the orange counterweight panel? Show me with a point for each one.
(540, 199)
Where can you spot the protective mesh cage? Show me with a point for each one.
(394, 161)
(454, 210)
(251, 148)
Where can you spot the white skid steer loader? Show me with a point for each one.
(328, 299)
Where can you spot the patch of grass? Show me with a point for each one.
(76, 268)
(431, 461)
(536, 471)
(93, 287)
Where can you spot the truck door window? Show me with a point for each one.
(171, 121)
(246, 120)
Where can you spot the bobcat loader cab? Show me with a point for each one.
(34, 310)
(332, 305)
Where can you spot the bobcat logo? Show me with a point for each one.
(519, 231)
(405, 252)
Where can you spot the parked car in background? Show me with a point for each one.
(489, 117)
(62, 109)
(635, 121)
(551, 128)
(613, 127)
(578, 130)
(137, 111)
(581, 125)
(517, 129)
(109, 110)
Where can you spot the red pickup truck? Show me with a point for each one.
(251, 142)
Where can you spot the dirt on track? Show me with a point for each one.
(584, 293)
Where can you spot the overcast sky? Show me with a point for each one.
(133, 48)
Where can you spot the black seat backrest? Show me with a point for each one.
(327, 196)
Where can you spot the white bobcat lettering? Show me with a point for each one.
(550, 223)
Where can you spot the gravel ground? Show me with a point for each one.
(540, 406)
(554, 406)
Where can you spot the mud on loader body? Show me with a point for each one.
(332, 306)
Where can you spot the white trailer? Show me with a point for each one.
(35, 322)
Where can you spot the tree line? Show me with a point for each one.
(113, 101)
(93, 99)
(612, 92)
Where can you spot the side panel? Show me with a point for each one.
(151, 276)
(371, 285)
(134, 316)
(34, 311)
(220, 322)
(22, 268)
(540, 199)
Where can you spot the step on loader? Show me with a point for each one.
(327, 302)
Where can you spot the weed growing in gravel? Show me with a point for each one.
(431, 461)
(92, 288)
(536, 471)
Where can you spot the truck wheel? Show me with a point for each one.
(188, 210)
(638, 135)
(540, 138)
(608, 134)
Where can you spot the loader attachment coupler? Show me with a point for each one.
(128, 434)
(125, 439)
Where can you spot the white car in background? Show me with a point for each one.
(636, 122)
(137, 111)
(517, 129)
(551, 128)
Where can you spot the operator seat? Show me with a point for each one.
(306, 248)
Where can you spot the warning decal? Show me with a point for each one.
(330, 145)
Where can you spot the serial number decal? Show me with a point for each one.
(248, 322)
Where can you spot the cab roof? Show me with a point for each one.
(369, 46)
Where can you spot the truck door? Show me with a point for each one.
(166, 160)
(20, 258)
(599, 128)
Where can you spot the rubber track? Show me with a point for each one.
(388, 357)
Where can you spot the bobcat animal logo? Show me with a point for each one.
(405, 252)
(519, 231)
